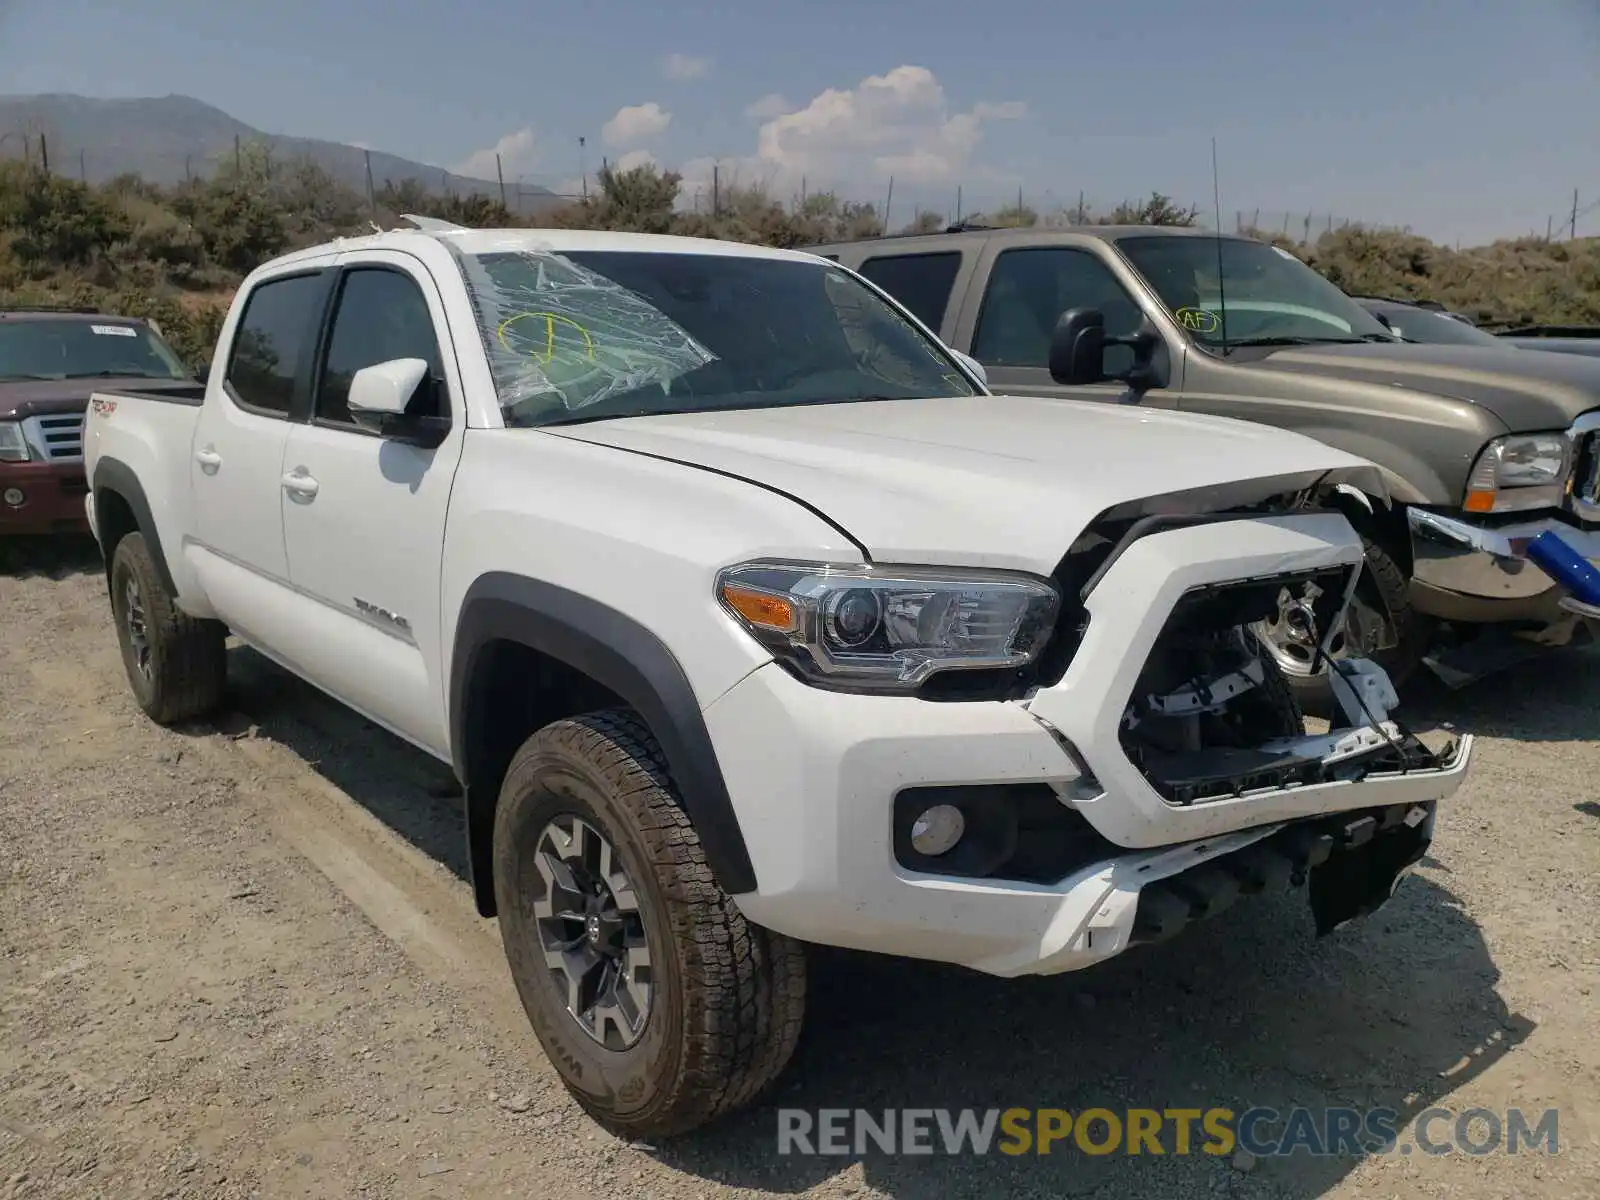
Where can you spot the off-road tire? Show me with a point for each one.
(728, 996)
(187, 656)
(1413, 632)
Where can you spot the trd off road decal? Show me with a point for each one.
(394, 620)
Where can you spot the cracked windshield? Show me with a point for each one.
(587, 335)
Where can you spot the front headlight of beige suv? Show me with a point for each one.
(13, 446)
(1519, 472)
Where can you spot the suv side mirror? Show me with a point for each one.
(202, 370)
(1078, 348)
(381, 397)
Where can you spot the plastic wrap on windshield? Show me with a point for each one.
(560, 337)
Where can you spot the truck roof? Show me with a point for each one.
(1031, 234)
(558, 241)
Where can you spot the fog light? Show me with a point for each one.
(937, 829)
(15, 497)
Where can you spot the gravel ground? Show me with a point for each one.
(241, 960)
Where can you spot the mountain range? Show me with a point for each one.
(167, 139)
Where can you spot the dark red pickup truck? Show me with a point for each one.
(50, 361)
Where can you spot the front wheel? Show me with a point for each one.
(1380, 624)
(659, 1005)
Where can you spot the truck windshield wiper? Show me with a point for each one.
(1292, 341)
(26, 375)
(116, 375)
(588, 418)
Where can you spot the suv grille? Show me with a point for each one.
(56, 438)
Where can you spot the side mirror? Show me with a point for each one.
(1078, 351)
(972, 365)
(202, 370)
(1078, 347)
(380, 399)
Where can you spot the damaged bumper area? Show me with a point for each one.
(1162, 777)
(1466, 570)
(1211, 716)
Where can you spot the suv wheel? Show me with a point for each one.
(1380, 624)
(177, 664)
(660, 1006)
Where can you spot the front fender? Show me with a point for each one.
(1409, 478)
(621, 655)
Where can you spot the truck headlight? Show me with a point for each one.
(13, 446)
(1520, 472)
(867, 628)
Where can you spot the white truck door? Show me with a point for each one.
(238, 446)
(364, 529)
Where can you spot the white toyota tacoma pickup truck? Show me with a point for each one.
(749, 618)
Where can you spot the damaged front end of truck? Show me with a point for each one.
(1210, 725)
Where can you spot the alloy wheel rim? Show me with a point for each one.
(138, 629)
(591, 932)
(1291, 638)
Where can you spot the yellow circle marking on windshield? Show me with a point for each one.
(550, 322)
(1199, 320)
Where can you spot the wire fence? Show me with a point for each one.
(706, 186)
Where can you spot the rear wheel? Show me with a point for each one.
(660, 1006)
(1380, 624)
(177, 665)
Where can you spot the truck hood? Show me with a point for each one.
(32, 397)
(995, 481)
(1525, 391)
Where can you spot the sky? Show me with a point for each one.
(1465, 120)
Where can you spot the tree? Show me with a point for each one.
(1013, 216)
(924, 222)
(1158, 210)
(55, 221)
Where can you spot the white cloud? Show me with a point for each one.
(769, 106)
(635, 158)
(685, 66)
(898, 123)
(635, 123)
(518, 152)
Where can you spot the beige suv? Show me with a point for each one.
(1483, 447)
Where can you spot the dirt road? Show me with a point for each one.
(241, 961)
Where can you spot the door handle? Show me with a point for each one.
(208, 459)
(298, 483)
